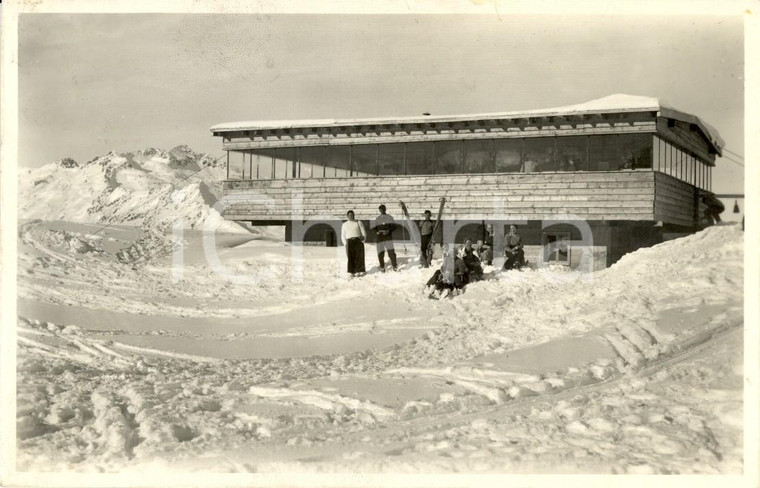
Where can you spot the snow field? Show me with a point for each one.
(138, 353)
(89, 402)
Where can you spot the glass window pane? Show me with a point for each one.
(603, 153)
(655, 152)
(236, 165)
(285, 162)
(477, 156)
(572, 153)
(635, 151)
(261, 163)
(507, 155)
(677, 163)
(699, 174)
(674, 167)
(668, 159)
(686, 166)
(448, 157)
(539, 154)
(420, 158)
(391, 159)
(689, 168)
(364, 160)
(312, 162)
(338, 161)
(704, 176)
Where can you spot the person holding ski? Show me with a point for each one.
(452, 277)
(384, 226)
(513, 248)
(426, 233)
(352, 234)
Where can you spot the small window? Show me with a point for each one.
(557, 247)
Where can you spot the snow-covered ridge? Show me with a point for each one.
(150, 187)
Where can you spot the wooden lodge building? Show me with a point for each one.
(584, 183)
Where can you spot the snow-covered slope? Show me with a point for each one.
(152, 188)
(636, 369)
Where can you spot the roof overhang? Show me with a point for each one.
(613, 104)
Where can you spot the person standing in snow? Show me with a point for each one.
(486, 249)
(426, 232)
(513, 249)
(352, 234)
(384, 226)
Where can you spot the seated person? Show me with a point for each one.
(530, 166)
(453, 274)
(627, 160)
(513, 249)
(472, 261)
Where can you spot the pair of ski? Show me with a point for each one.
(426, 254)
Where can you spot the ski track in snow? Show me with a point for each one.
(88, 403)
(635, 369)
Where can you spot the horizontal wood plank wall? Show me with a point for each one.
(621, 195)
(674, 201)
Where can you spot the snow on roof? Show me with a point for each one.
(618, 103)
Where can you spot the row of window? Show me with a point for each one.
(686, 167)
(528, 155)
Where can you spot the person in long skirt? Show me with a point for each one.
(352, 234)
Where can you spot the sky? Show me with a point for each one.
(92, 83)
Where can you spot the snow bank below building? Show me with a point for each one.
(268, 359)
